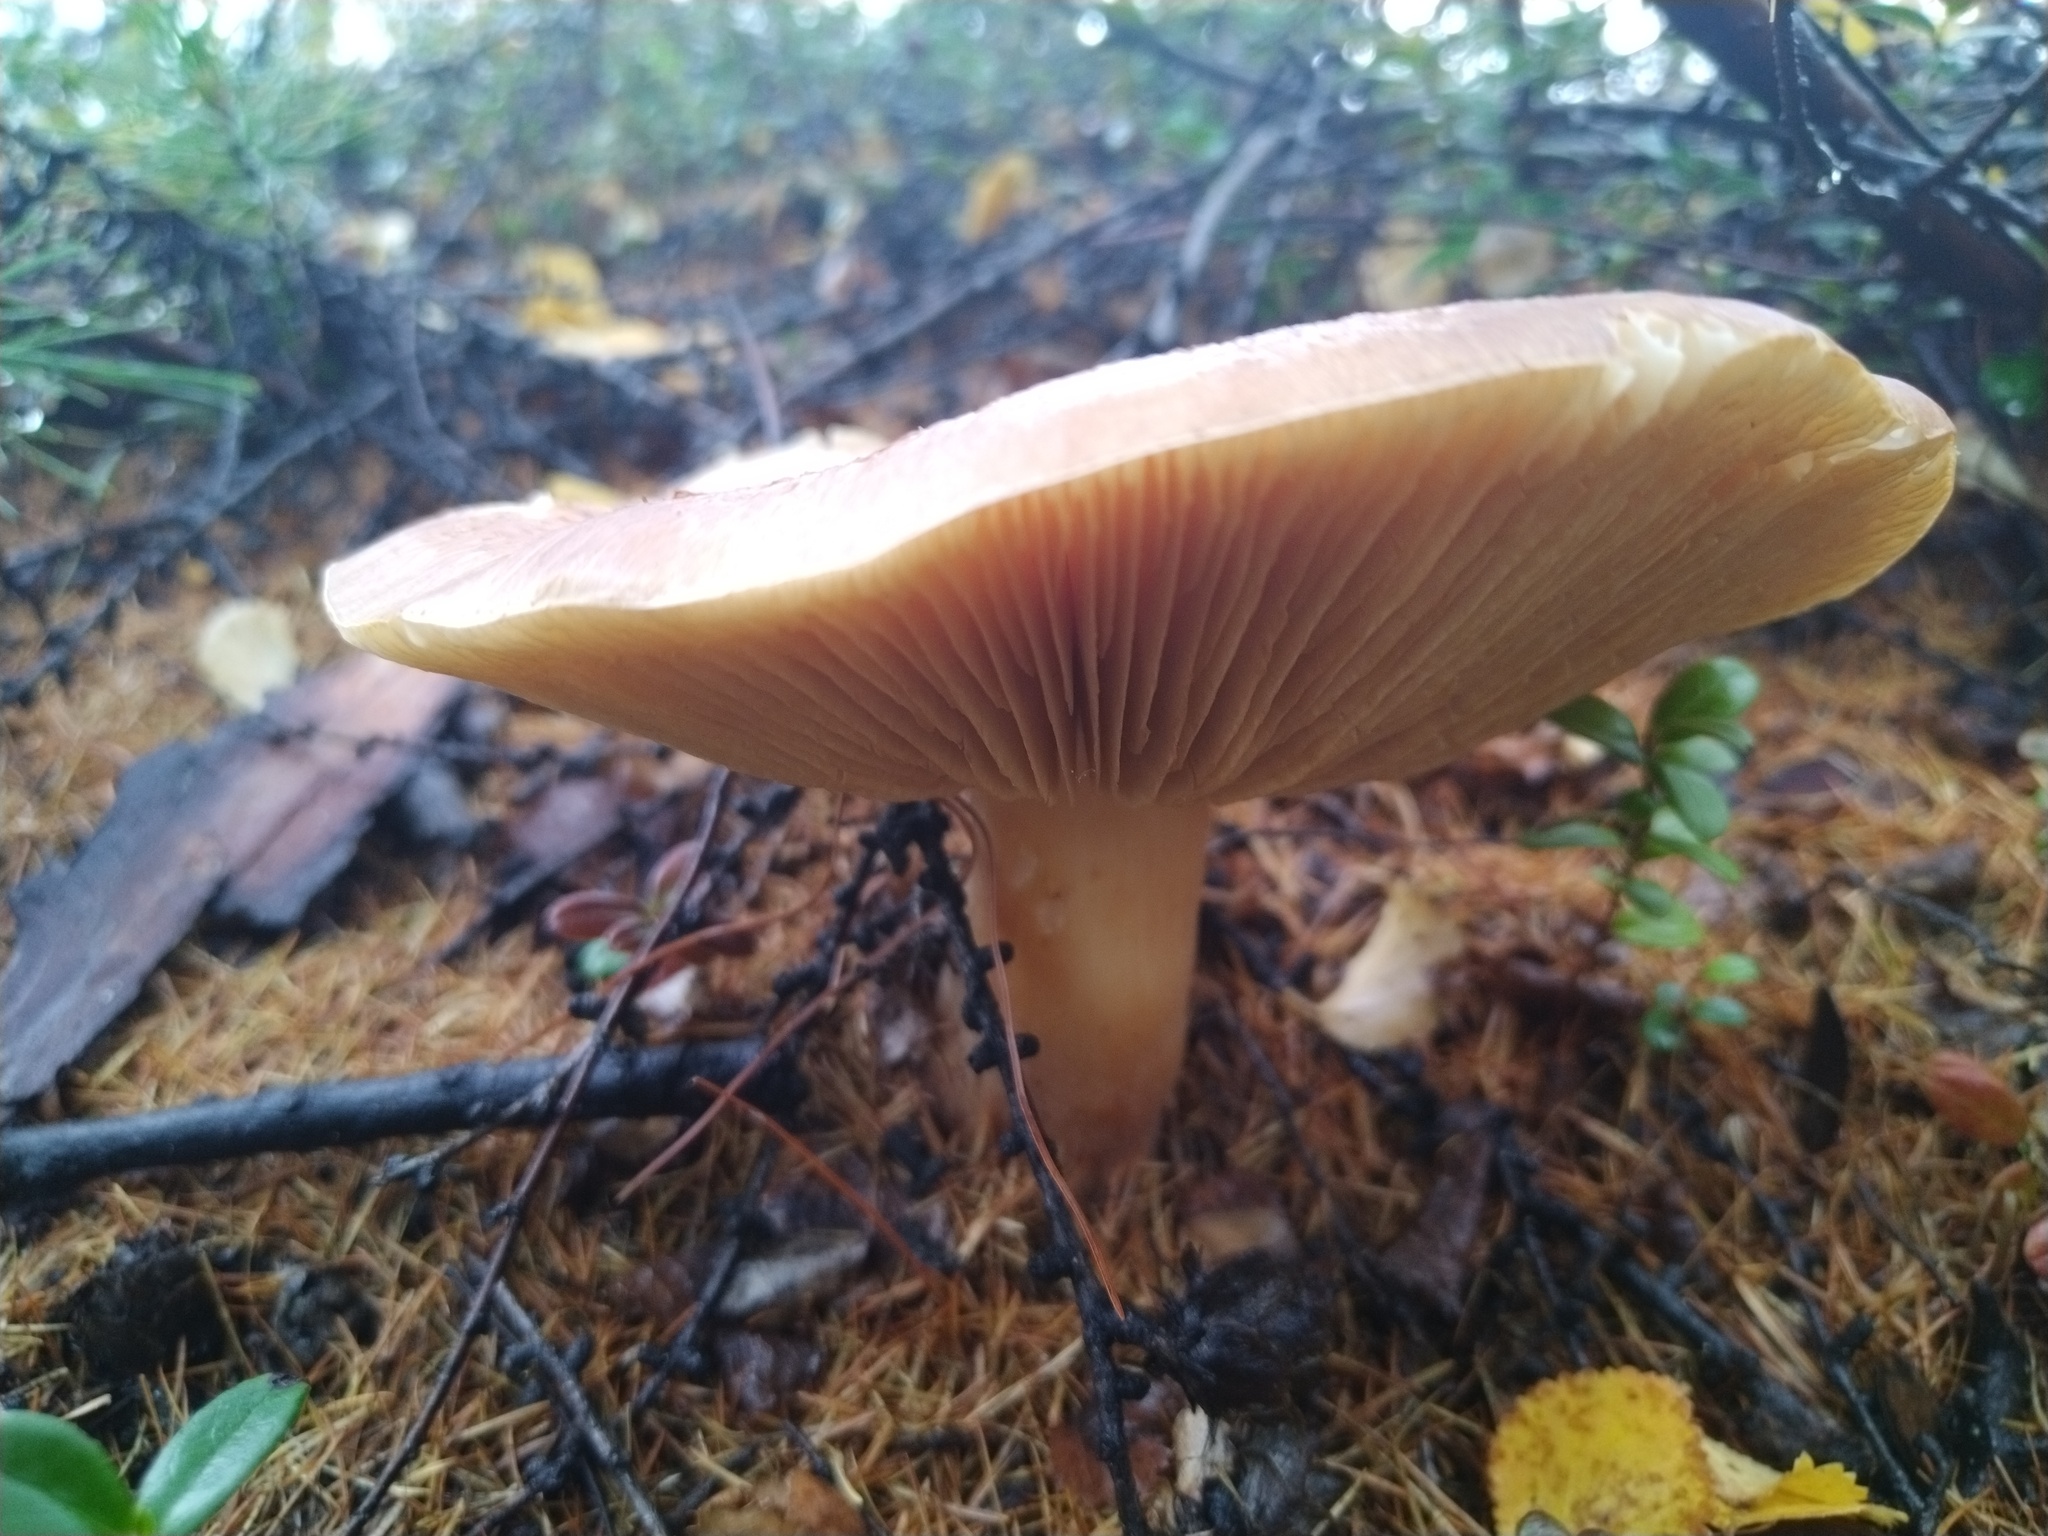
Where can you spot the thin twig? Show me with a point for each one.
(569, 1397)
(758, 377)
(771, 1047)
(842, 1188)
(578, 1075)
(1960, 157)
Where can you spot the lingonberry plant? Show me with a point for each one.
(1695, 739)
(56, 1480)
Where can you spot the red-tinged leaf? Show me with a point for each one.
(587, 914)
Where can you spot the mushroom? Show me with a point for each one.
(1103, 605)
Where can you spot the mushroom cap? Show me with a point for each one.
(1338, 551)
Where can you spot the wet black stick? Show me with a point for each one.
(921, 826)
(570, 1401)
(685, 1352)
(39, 1161)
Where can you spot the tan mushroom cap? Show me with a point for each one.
(1340, 551)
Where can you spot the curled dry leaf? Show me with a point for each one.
(1387, 996)
(245, 650)
(1972, 1100)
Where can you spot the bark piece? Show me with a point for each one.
(257, 819)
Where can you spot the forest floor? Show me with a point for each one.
(952, 1404)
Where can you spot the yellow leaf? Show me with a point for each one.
(575, 491)
(1616, 1449)
(1738, 1479)
(1402, 271)
(998, 190)
(1810, 1492)
(561, 270)
(1858, 36)
(566, 308)
(611, 340)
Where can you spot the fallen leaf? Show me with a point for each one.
(1201, 1452)
(995, 193)
(1972, 1100)
(1810, 1492)
(1509, 261)
(1398, 273)
(575, 491)
(1235, 1212)
(567, 311)
(800, 1503)
(1432, 1257)
(245, 651)
(1386, 997)
(793, 1269)
(1615, 1449)
(1619, 1451)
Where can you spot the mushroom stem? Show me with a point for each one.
(1098, 901)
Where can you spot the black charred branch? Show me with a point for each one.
(921, 826)
(1954, 232)
(39, 1161)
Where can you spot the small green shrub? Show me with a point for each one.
(1676, 809)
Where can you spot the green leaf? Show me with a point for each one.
(1702, 754)
(600, 960)
(1721, 1012)
(1678, 928)
(55, 1480)
(1650, 896)
(216, 1451)
(1599, 721)
(1705, 700)
(1697, 799)
(2016, 385)
(1636, 807)
(1663, 1029)
(1730, 971)
(1572, 834)
(1670, 837)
